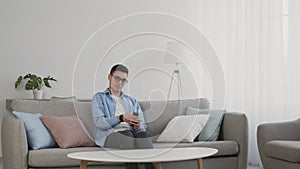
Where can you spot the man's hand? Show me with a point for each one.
(132, 119)
(137, 126)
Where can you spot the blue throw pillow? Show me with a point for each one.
(212, 127)
(38, 135)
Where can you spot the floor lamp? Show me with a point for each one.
(175, 54)
(179, 87)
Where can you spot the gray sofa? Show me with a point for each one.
(279, 144)
(232, 144)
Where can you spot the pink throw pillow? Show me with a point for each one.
(68, 131)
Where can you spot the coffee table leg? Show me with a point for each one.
(83, 164)
(200, 163)
(158, 165)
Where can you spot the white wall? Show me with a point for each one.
(46, 37)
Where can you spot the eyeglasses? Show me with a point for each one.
(118, 79)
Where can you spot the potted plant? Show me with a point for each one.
(34, 83)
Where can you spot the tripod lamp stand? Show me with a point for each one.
(175, 54)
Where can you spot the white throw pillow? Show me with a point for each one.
(183, 128)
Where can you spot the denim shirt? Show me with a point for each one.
(103, 110)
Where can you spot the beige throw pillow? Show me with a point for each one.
(183, 128)
(68, 131)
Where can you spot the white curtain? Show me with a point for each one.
(293, 88)
(261, 80)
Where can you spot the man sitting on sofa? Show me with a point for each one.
(117, 126)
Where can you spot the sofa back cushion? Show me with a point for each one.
(45, 107)
(83, 110)
(157, 113)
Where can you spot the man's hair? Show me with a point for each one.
(118, 67)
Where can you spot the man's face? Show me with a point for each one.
(117, 81)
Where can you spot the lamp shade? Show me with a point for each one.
(176, 53)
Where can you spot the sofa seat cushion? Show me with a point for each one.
(225, 148)
(284, 150)
(57, 157)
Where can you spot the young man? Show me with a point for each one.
(118, 117)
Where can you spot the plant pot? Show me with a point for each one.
(38, 94)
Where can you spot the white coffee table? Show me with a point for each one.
(144, 155)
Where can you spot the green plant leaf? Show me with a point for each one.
(27, 76)
(28, 86)
(47, 79)
(18, 82)
(33, 82)
(52, 79)
(47, 83)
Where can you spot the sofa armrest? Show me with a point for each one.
(235, 128)
(14, 143)
(276, 131)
